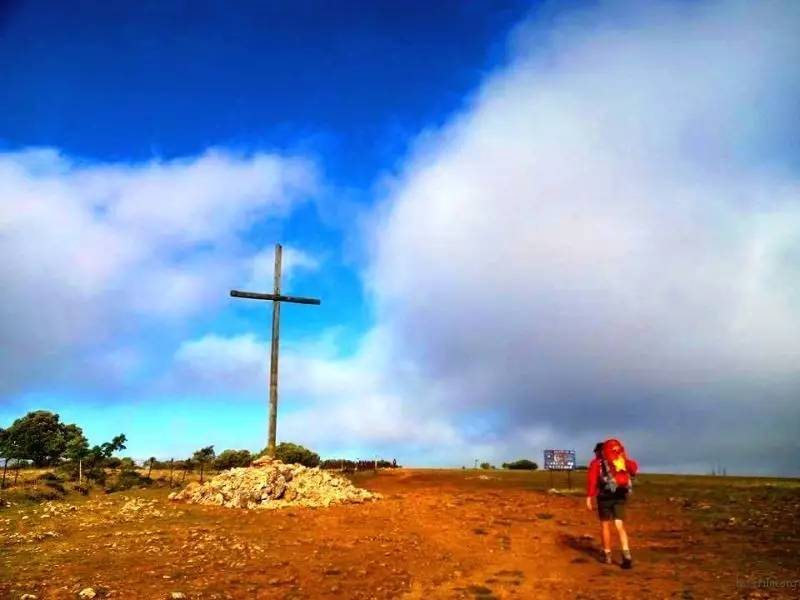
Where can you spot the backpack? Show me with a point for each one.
(613, 464)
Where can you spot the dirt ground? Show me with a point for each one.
(461, 534)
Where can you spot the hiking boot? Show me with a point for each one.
(627, 563)
(605, 558)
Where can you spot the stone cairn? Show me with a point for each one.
(270, 484)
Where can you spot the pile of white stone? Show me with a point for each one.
(139, 509)
(270, 484)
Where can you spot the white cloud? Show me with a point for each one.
(604, 243)
(293, 260)
(337, 404)
(601, 244)
(92, 249)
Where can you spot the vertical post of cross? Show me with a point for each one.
(273, 364)
(276, 299)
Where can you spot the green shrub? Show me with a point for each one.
(228, 459)
(51, 480)
(80, 488)
(48, 476)
(40, 493)
(97, 474)
(294, 454)
(126, 480)
(487, 465)
(522, 465)
(91, 470)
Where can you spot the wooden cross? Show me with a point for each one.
(276, 298)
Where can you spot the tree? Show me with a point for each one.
(116, 443)
(522, 465)
(203, 457)
(150, 461)
(39, 436)
(294, 453)
(228, 459)
(5, 450)
(99, 456)
(188, 467)
(77, 449)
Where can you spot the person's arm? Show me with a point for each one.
(632, 466)
(591, 482)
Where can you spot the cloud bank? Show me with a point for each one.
(92, 252)
(606, 241)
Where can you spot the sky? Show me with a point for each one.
(531, 225)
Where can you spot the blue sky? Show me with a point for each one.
(598, 166)
(351, 81)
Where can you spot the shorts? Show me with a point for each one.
(611, 507)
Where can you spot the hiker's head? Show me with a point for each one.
(598, 449)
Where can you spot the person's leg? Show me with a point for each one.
(605, 513)
(606, 535)
(627, 561)
(623, 535)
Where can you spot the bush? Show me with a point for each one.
(126, 480)
(228, 459)
(521, 465)
(40, 493)
(52, 481)
(487, 466)
(96, 474)
(48, 477)
(295, 453)
(80, 488)
(92, 472)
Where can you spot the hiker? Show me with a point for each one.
(609, 480)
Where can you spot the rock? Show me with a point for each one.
(140, 509)
(28, 597)
(87, 593)
(177, 595)
(270, 484)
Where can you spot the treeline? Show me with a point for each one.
(522, 464)
(42, 440)
(344, 464)
(206, 459)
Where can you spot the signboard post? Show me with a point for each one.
(560, 460)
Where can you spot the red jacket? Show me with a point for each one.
(593, 476)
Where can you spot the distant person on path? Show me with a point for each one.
(610, 477)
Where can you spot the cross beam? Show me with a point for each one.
(276, 297)
(279, 298)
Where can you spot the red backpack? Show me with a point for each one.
(614, 466)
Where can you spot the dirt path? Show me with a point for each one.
(436, 534)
